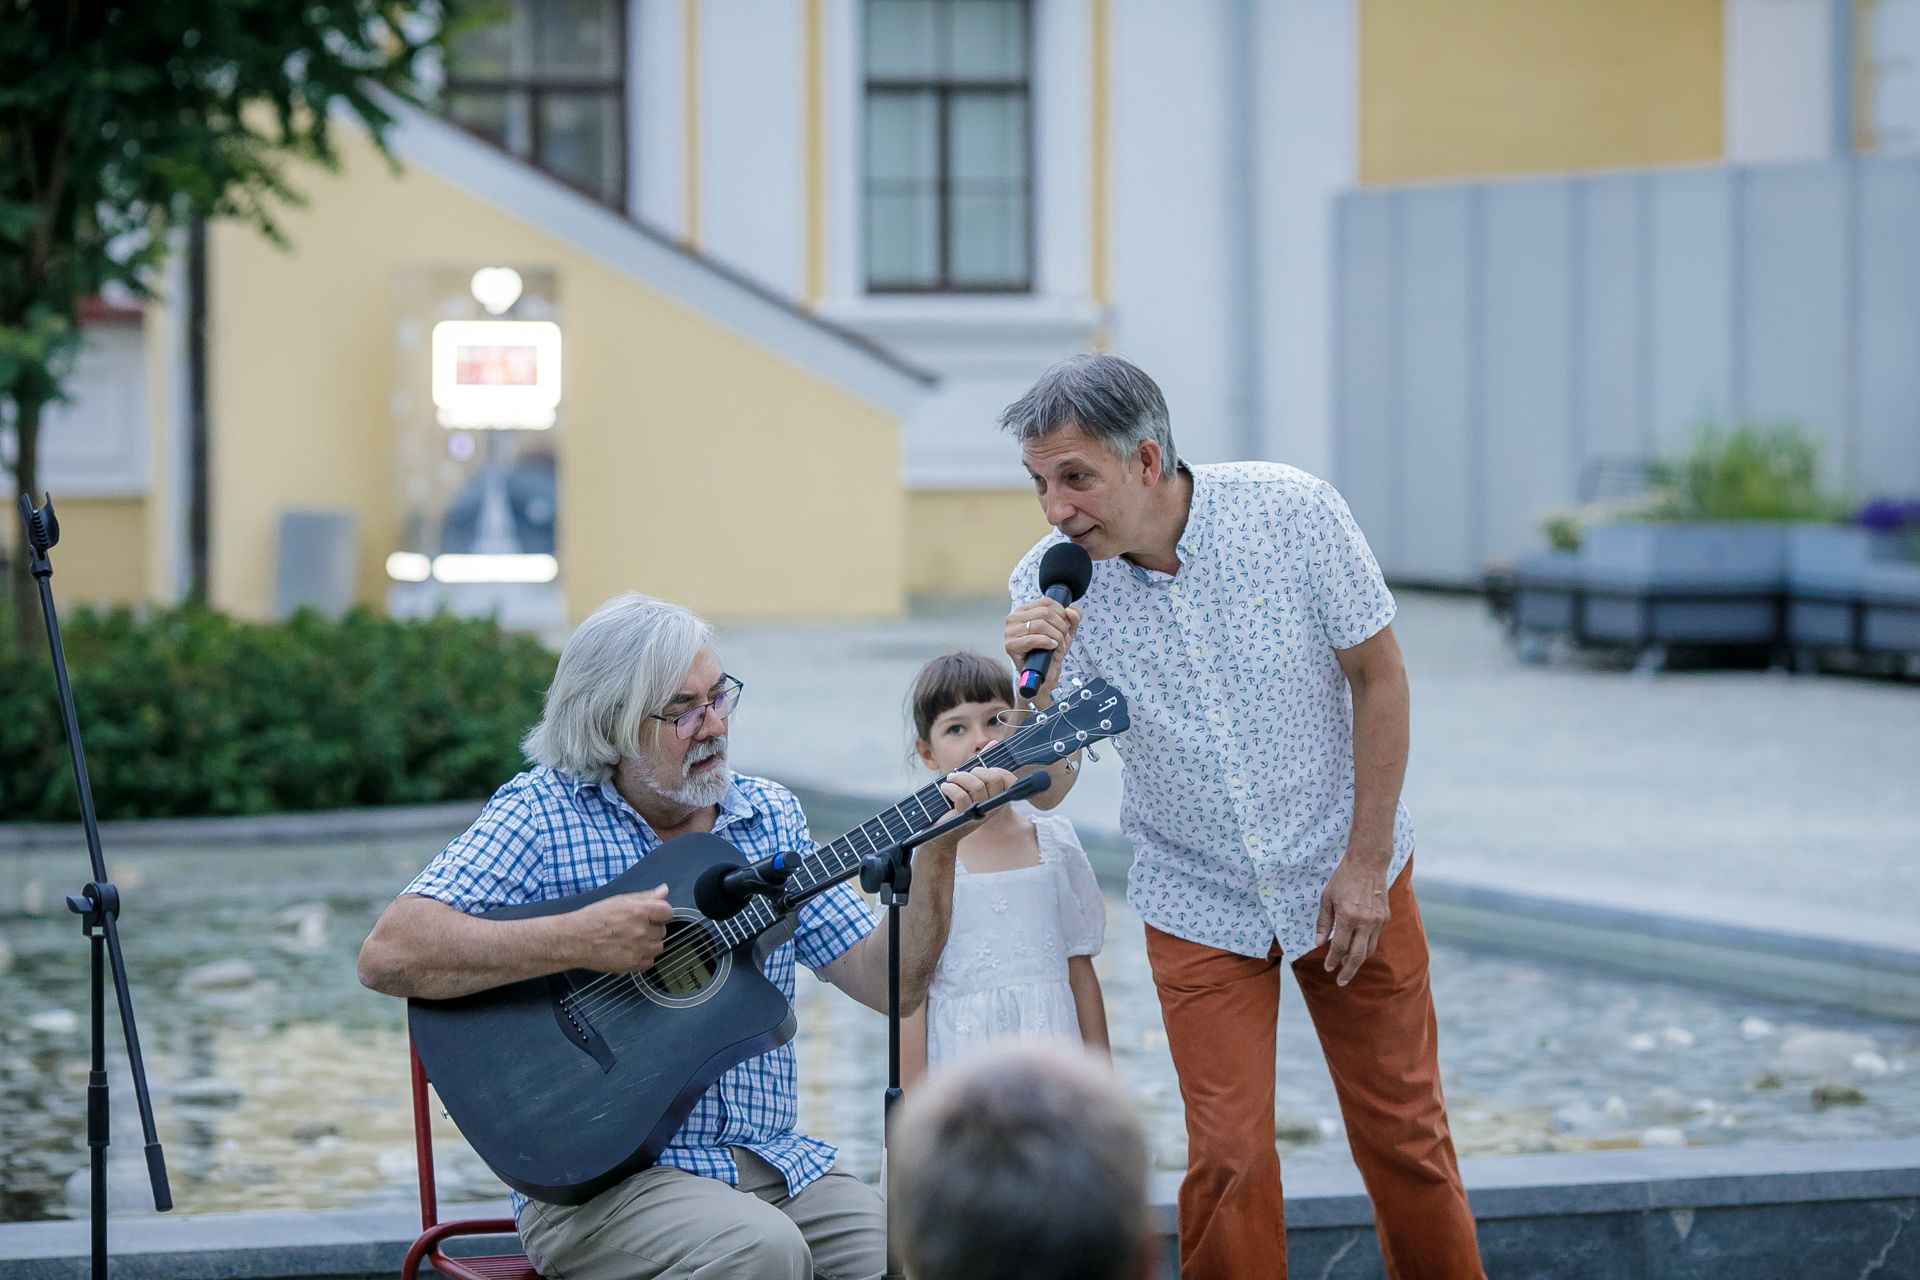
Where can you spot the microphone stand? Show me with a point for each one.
(98, 906)
(888, 872)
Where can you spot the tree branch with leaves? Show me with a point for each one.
(121, 123)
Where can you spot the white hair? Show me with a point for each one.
(623, 664)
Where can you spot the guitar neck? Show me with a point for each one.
(839, 859)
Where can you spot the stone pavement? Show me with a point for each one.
(1781, 803)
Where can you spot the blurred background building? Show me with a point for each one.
(791, 257)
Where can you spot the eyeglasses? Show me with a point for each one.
(687, 723)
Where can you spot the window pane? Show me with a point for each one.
(902, 142)
(900, 38)
(578, 37)
(500, 117)
(903, 242)
(987, 38)
(488, 50)
(989, 239)
(580, 139)
(987, 137)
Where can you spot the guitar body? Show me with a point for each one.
(568, 1084)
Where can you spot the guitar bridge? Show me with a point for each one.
(574, 1025)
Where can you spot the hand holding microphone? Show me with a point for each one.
(1039, 629)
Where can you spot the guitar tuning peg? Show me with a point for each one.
(1093, 757)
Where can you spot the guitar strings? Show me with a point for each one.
(681, 960)
(695, 948)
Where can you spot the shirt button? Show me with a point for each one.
(1194, 654)
(1259, 600)
(1253, 842)
(1214, 716)
(1233, 782)
(1175, 588)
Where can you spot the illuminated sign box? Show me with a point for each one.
(496, 373)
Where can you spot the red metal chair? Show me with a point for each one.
(493, 1266)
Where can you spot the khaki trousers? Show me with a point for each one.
(667, 1223)
(1382, 1050)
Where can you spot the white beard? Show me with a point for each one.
(708, 787)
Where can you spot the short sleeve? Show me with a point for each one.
(829, 922)
(1083, 908)
(495, 862)
(1348, 591)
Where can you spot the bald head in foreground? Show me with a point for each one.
(1026, 1161)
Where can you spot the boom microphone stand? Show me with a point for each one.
(889, 873)
(98, 906)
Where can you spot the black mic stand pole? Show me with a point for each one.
(889, 873)
(98, 906)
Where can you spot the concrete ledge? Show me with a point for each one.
(1752, 1211)
(1780, 964)
(266, 828)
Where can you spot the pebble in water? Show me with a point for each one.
(1870, 1063)
(1835, 1094)
(1807, 1051)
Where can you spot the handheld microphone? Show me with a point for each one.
(1065, 572)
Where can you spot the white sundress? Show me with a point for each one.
(1004, 970)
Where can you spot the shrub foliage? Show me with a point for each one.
(186, 711)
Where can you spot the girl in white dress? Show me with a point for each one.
(1028, 917)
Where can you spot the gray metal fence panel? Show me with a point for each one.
(1492, 339)
(1526, 446)
(1884, 458)
(1434, 428)
(1367, 375)
(1607, 344)
(1794, 327)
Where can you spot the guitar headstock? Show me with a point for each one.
(1078, 718)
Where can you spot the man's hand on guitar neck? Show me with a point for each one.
(861, 971)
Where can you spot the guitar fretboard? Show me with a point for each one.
(839, 859)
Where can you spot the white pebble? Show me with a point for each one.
(1677, 1037)
(1616, 1106)
(1663, 1136)
(1870, 1064)
(1752, 1028)
(58, 1021)
(1642, 1042)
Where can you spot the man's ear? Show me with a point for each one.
(1150, 457)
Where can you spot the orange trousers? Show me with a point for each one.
(1381, 1046)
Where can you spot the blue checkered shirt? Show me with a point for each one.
(548, 835)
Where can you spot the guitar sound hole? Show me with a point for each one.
(687, 962)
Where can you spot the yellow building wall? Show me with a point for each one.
(1471, 88)
(101, 557)
(964, 542)
(694, 463)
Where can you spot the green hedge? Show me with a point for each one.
(189, 712)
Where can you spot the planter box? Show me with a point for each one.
(1850, 590)
(1546, 593)
(1661, 584)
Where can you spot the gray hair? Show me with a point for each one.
(623, 664)
(1111, 399)
(1024, 1160)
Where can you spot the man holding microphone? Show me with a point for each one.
(1239, 608)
